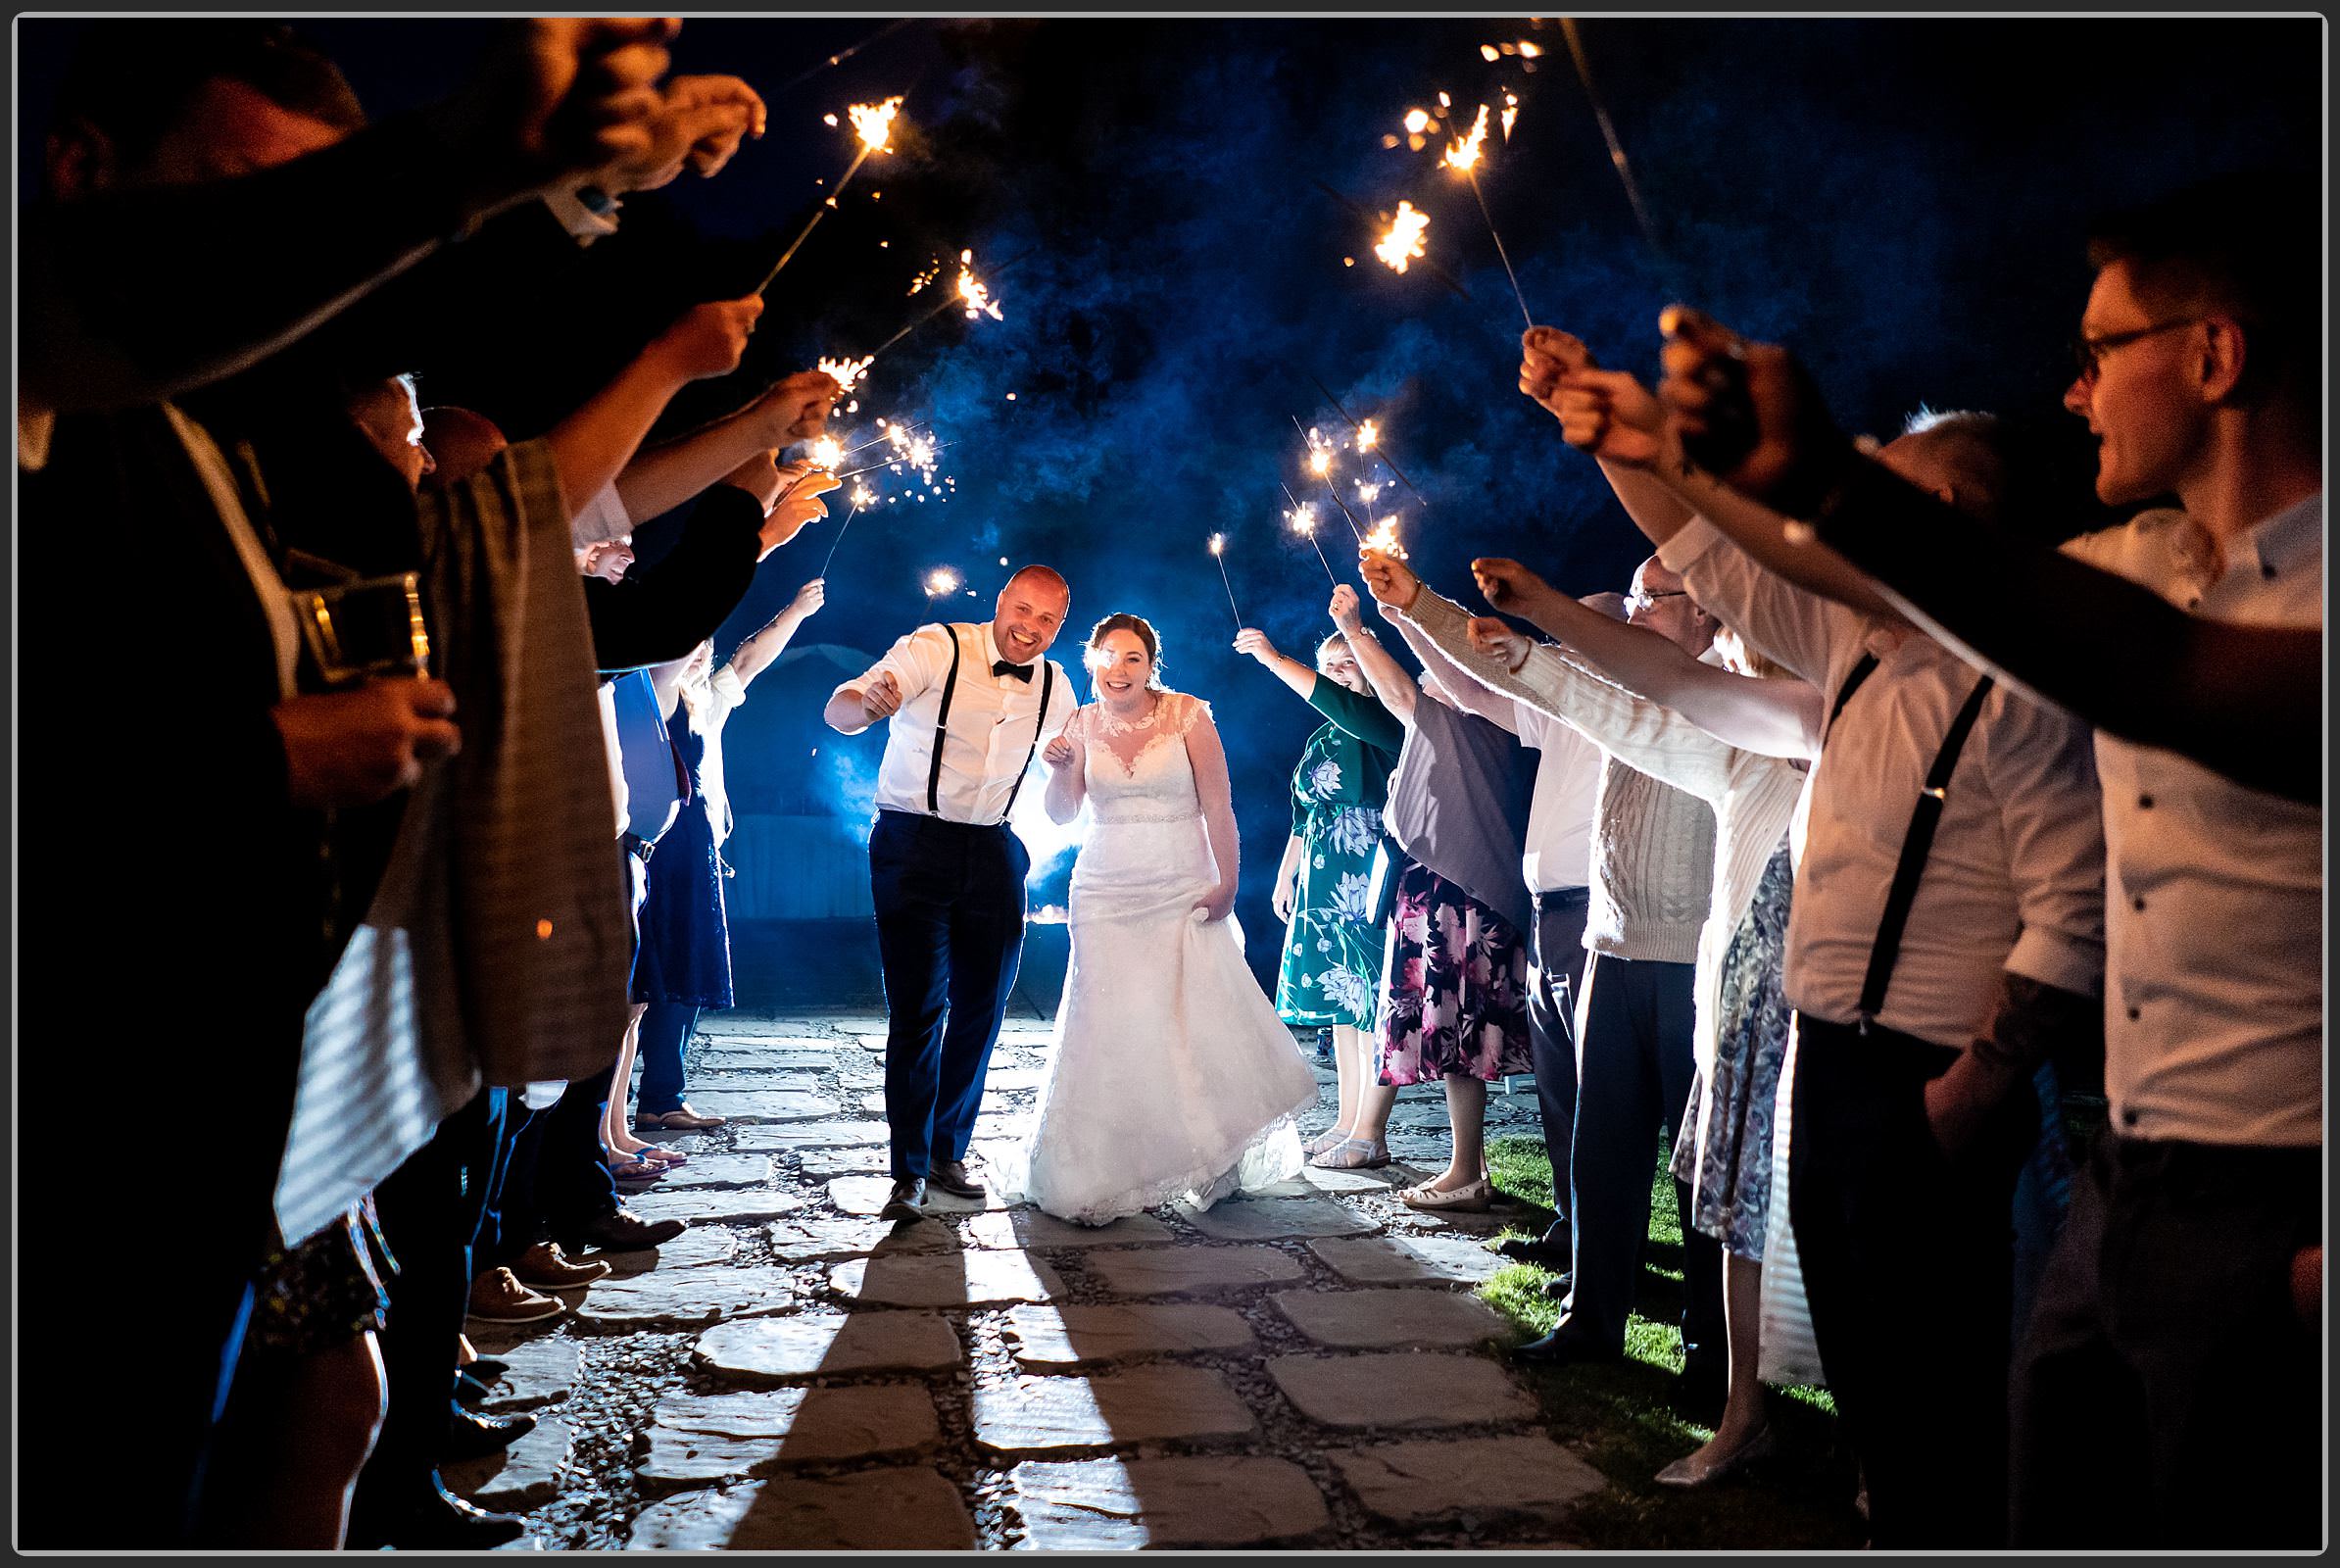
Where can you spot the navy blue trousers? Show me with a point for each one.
(666, 1029)
(950, 902)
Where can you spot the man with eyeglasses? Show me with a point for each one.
(2167, 1392)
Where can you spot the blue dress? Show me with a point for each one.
(686, 941)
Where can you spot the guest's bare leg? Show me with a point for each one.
(618, 1130)
(1466, 1117)
(1745, 1419)
(333, 1409)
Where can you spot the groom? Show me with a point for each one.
(970, 706)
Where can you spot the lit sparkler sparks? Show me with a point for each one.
(1384, 539)
(846, 373)
(1511, 114)
(1367, 434)
(972, 294)
(873, 126)
(1302, 518)
(1218, 553)
(942, 582)
(972, 290)
(1403, 243)
(1320, 464)
(1462, 154)
(827, 452)
(1368, 493)
(1417, 121)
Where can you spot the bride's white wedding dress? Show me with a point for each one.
(1171, 1075)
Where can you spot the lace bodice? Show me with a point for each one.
(1140, 772)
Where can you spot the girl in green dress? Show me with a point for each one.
(1332, 965)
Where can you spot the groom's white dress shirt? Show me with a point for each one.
(990, 728)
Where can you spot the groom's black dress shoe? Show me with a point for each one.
(901, 1205)
(951, 1176)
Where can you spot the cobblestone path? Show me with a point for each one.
(1304, 1368)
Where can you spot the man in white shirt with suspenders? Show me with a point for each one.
(971, 706)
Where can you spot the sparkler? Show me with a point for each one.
(940, 583)
(919, 454)
(1463, 155)
(874, 123)
(1320, 464)
(827, 453)
(845, 372)
(1394, 471)
(1302, 518)
(1372, 224)
(862, 497)
(1218, 553)
(1384, 539)
(972, 295)
(1403, 242)
(1608, 131)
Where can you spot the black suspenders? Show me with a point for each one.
(1047, 682)
(934, 767)
(1917, 844)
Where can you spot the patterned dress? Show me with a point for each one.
(1458, 987)
(1726, 1156)
(1332, 969)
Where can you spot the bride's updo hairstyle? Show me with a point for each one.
(1136, 626)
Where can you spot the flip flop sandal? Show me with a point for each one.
(664, 1156)
(636, 1171)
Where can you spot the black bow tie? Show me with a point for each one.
(1022, 672)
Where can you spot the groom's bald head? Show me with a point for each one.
(1037, 577)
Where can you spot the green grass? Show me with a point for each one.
(1624, 1417)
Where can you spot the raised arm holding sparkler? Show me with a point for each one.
(662, 477)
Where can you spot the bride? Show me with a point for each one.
(1171, 1074)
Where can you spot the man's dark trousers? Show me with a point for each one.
(431, 1210)
(949, 900)
(1552, 991)
(1908, 1258)
(1635, 1062)
(2167, 1395)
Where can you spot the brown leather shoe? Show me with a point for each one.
(498, 1296)
(543, 1265)
(685, 1120)
(951, 1176)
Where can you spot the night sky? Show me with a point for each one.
(1903, 202)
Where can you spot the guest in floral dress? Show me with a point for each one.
(1725, 1156)
(1332, 966)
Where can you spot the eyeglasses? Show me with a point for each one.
(2088, 353)
(1643, 599)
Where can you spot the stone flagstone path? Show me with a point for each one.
(1304, 1368)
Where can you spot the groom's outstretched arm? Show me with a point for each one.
(913, 664)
